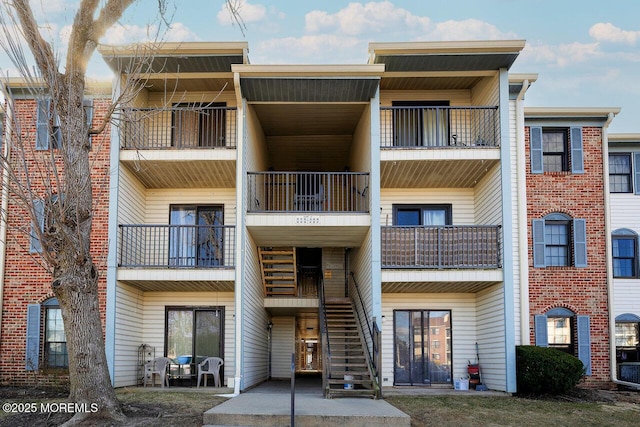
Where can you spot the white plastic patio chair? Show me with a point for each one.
(210, 366)
(157, 366)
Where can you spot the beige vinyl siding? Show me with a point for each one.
(463, 326)
(488, 198)
(361, 265)
(360, 156)
(160, 200)
(283, 337)
(333, 270)
(486, 92)
(461, 199)
(491, 337)
(455, 97)
(624, 212)
(129, 315)
(256, 157)
(131, 198)
(153, 324)
(254, 319)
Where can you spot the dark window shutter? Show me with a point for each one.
(33, 337)
(540, 326)
(42, 124)
(580, 243)
(636, 172)
(538, 243)
(577, 155)
(584, 343)
(535, 140)
(35, 245)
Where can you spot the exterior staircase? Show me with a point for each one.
(348, 356)
(278, 267)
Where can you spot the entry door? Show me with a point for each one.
(194, 332)
(422, 344)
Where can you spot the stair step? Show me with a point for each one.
(277, 261)
(278, 270)
(277, 252)
(342, 381)
(278, 277)
(348, 365)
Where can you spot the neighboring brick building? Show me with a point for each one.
(30, 315)
(568, 292)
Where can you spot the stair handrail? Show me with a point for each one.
(324, 335)
(374, 335)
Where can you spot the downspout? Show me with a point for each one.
(609, 256)
(523, 248)
(4, 215)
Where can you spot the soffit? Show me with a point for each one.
(309, 89)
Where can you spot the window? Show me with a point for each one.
(624, 247)
(558, 241)
(421, 123)
(196, 236)
(627, 338)
(199, 125)
(556, 150)
(562, 329)
(417, 359)
(194, 333)
(48, 133)
(44, 220)
(620, 173)
(55, 342)
(422, 214)
(51, 342)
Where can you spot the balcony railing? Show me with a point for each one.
(308, 192)
(179, 128)
(177, 246)
(441, 247)
(438, 127)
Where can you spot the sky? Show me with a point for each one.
(586, 52)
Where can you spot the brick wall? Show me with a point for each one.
(26, 281)
(582, 290)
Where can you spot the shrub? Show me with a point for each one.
(543, 370)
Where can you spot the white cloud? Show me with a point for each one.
(308, 49)
(126, 34)
(359, 19)
(248, 12)
(607, 32)
(562, 55)
(469, 29)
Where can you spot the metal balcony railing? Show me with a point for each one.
(437, 127)
(179, 128)
(177, 246)
(441, 247)
(308, 192)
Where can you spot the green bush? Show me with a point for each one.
(543, 370)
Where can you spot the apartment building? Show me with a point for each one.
(32, 340)
(384, 224)
(624, 187)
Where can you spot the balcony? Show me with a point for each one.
(315, 192)
(441, 247)
(438, 147)
(309, 209)
(159, 257)
(180, 147)
(453, 258)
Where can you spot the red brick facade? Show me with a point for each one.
(581, 290)
(25, 279)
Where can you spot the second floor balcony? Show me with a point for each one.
(439, 127)
(441, 247)
(177, 246)
(315, 192)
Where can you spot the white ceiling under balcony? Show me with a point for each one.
(436, 168)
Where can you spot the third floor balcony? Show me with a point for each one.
(183, 146)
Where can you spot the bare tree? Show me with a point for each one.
(67, 202)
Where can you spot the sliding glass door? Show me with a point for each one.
(197, 236)
(422, 347)
(194, 333)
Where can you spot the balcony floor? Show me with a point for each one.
(439, 281)
(179, 279)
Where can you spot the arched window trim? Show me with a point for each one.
(560, 312)
(627, 318)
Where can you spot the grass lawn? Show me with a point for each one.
(459, 411)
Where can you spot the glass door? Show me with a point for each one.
(197, 236)
(422, 347)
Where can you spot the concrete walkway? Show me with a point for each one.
(269, 404)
